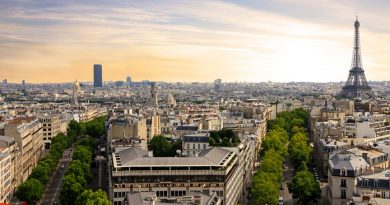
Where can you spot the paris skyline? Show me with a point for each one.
(254, 41)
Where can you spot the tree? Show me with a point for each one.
(160, 146)
(41, 172)
(177, 145)
(71, 189)
(304, 187)
(299, 149)
(75, 128)
(272, 162)
(224, 137)
(88, 197)
(83, 154)
(87, 141)
(265, 189)
(30, 191)
(79, 168)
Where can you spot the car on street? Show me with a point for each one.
(281, 201)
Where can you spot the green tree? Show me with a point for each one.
(87, 141)
(177, 145)
(71, 189)
(41, 172)
(79, 168)
(30, 191)
(304, 187)
(75, 128)
(160, 146)
(88, 197)
(83, 154)
(265, 189)
(299, 149)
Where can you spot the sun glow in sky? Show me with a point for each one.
(175, 40)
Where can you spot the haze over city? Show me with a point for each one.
(254, 41)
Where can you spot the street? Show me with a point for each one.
(288, 174)
(52, 192)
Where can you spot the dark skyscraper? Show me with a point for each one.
(97, 75)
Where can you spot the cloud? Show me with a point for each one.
(187, 40)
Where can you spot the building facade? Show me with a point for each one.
(28, 135)
(97, 75)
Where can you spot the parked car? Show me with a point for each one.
(281, 201)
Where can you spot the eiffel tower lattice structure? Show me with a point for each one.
(356, 85)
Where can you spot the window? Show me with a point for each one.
(383, 195)
(343, 194)
(204, 146)
(343, 173)
(198, 146)
(188, 146)
(343, 183)
(193, 146)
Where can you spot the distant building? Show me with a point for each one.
(218, 85)
(128, 81)
(153, 95)
(5, 81)
(97, 75)
(75, 93)
(126, 127)
(171, 100)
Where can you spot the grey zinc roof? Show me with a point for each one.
(128, 155)
(348, 161)
(138, 157)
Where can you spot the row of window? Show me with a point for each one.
(194, 145)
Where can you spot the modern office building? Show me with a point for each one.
(97, 75)
(214, 170)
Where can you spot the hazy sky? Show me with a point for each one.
(180, 40)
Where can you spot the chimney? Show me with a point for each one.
(150, 153)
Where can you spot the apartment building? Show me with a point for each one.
(346, 167)
(8, 168)
(27, 132)
(51, 126)
(195, 143)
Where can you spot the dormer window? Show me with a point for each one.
(376, 184)
(343, 172)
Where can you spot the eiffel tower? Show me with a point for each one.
(356, 85)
